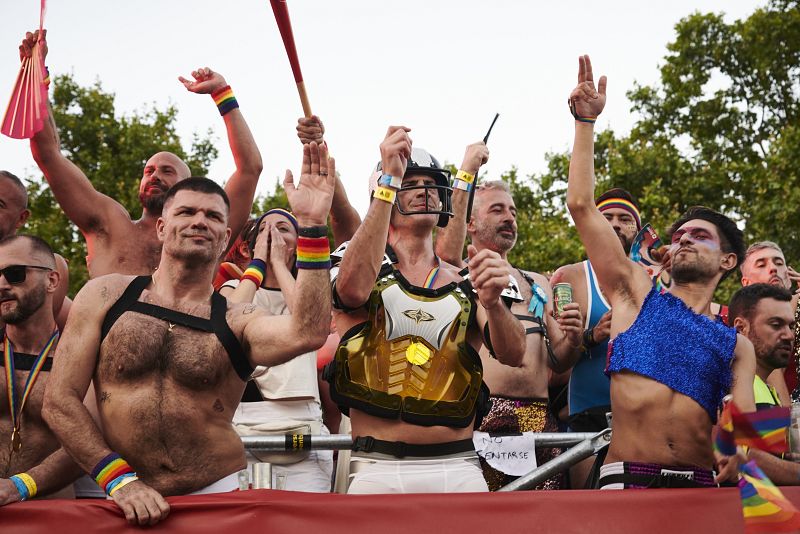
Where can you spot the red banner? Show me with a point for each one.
(650, 511)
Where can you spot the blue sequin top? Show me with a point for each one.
(687, 352)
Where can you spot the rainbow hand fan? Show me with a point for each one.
(27, 108)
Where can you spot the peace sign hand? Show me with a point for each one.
(585, 99)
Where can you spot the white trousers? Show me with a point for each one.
(451, 474)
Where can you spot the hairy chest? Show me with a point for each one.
(33, 405)
(139, 346)
(137, 252)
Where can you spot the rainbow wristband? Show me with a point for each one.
(255, 272)
(386, 194)
(574, 112)
(25, 485)
(313, 253)
(225, 100)
(46, 80)
(462, 185)
(110, 471)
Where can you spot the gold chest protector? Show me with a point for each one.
(410, 359)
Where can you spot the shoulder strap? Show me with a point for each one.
(123, 304)
(219, 308)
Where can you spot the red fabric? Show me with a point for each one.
(790, 375)
(563, 512)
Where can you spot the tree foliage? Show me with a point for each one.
(720, 129)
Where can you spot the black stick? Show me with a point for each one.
(475, 184)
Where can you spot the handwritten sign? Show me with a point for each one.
(513, 455)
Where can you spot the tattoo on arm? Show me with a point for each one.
(250, 308)
(218, 407)
(105, 396)
(104, 294)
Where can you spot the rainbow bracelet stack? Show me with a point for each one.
(25, 486)
(255, 272)
(225, 100)
(313, 253)
(112, 473)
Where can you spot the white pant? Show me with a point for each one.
(313, 473)
(451, 474)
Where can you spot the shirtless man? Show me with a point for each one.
(32, 461)
(407, 367)
(519, 394)
(589, 396)
(14, 213)
(115, 243)
(670, 362)
(168, 378)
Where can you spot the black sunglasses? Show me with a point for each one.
(15, 274)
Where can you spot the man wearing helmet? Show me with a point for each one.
(407, 368)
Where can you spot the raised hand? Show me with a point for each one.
(395, 150)
(141, 504)
(587, 101)
(310, 129)
(31, 38)
(311, 199)
(261, 249)
(476, 155)
(489, 275)
(277, 248)
(206, 81)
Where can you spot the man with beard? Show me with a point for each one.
(169, 357)
(670, 362)
(589, 397)
(764, 263)
(32, 461)
(519, 394)
(764, 314)
(14, 213)
(115, 243)
(407, 370)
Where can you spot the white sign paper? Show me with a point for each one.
(512, 455)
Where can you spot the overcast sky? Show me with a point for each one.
(440, 67)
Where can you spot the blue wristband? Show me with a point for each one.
(387, 180)
(21, 487)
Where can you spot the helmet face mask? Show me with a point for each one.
(423, 163)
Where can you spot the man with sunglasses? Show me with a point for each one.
(32, 461)
(115, 243)
(407, 370)
(14, 213)
(670, 361)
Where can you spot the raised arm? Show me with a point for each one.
(241, 186)
(68, 417)
(617, 276)
(450, 239)
(359, 268)
(489, 274)
(307, 328)
(344, 217)
(81, 202)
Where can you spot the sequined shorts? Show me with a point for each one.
(510, 415)
(624, 475)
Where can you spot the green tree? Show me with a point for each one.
(112, 150)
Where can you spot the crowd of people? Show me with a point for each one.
(201, 325)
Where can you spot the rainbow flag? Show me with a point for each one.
(765, 430)
(764, 507)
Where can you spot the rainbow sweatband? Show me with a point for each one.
(111, 471)
(465, 176)
(385, 193)
(255, 272)
(225, 100)
(313, 253)
(26, 486)
(621, 203)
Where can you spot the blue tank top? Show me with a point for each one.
(686, 352)
(588, 384)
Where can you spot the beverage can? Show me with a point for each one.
(562, 295)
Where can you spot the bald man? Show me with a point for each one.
(115, 243)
